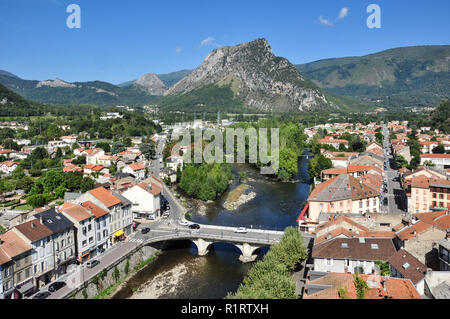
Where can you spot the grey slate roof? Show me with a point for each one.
(54, 221)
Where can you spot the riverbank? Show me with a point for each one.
(238, 197)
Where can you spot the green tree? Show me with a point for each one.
(148, 149)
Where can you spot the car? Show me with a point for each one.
(242, 230)
(385, 201)
(92, 263)
(183, 222)
(194, 226)
(166, 213)
(42, 295)
(56, 286)
(145, 230)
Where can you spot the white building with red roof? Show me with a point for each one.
(145, 199)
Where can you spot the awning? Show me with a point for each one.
(29, 285)
(302, 214)
(119, 233)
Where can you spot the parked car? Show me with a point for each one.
(145, 230)
(242, 230)
(42, 295)
(92, 263)
(194, 226)
(183, 222)
(56, 286)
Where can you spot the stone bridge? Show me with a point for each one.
(207, 235)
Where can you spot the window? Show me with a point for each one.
(99, 236)
(91, 240)
(360, 204)
(89, 227)
(84, 243)
(328, 261)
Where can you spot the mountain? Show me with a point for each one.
(408, 76)
(168, 79)
(256, 77)
(3, 72)
(93, 92)
(151, 84)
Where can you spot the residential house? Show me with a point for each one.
(84, 224)
(444, 252)
(40, 237)
(119, 209)
(64, 243)
(343, 194)
(92, 155)
(169, 174)
(174, 162)
(7, 167)
(17, 281)
(145, 199)
(102, 227)
(6, 274)
(402, 264)
(332, 285)
(441, 161)
(351, 254)
(136, 169)
(428, 194)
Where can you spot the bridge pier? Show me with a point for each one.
(247, 251)
(202, 246)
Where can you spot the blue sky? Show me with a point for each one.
(122, 40)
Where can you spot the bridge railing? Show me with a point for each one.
(220, 237)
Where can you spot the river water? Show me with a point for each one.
(179, 273)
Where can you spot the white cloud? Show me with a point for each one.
(325, 21)
(178, 50)
(343, 13)
(207, 41)
(210, 41)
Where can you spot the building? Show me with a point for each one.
(351, 254)
(40, 237)
(343, 194)
(6, 274)
(421, 235)
(102, 227)
(83, 221)
(333, 142)
(331, 285)
(7, 167)
(404, 265)
(441, 161)
(93, 155)
(354, 170)
(444, 253)
(136, 169)
(119, 209)
(428, 194)
(64, 243)
(145, 199)
(174, 162)
(17, 279)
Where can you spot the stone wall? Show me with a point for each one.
(91, 289)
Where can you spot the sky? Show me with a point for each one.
(120, 41)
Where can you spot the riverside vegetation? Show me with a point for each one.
(271, 278)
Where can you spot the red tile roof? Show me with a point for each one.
(103, 195)
(94, 209)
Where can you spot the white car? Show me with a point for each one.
(183, 222)
(242, 230)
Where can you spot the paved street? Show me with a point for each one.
(395, 195)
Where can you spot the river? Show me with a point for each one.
(179, 273)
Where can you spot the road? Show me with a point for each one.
(395, 194)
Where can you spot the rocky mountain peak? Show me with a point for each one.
(151, 83)
(256, 76)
